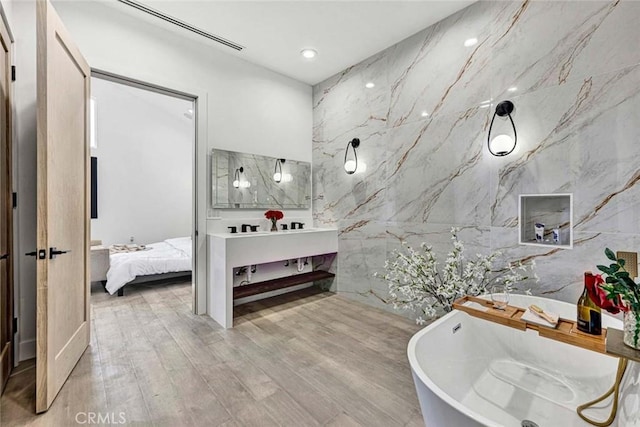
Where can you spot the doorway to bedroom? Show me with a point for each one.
(142, 211)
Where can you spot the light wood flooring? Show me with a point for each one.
(306, 359)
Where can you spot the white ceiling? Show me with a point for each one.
(274, 32)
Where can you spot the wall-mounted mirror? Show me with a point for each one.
(250, 181)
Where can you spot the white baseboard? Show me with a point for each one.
(27, 350)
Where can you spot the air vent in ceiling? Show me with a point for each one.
(181, 24)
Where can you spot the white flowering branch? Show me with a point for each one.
(417, 283)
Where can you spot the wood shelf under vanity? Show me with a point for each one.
(279, 283)
(566, 331)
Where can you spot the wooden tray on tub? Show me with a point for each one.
(566, 331)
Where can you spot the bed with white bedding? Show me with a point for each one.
(169, 256)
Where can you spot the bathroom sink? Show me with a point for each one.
(304, 230)
(248, 234)
(281, 244)
(270, 233)
(274, 233)
(227, 251)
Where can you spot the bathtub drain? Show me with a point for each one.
(527, 423)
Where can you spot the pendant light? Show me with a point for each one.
(502, 145)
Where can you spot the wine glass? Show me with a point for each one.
(499, 297)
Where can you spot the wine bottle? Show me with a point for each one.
(589, 314)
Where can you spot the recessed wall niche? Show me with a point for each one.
(546, 220)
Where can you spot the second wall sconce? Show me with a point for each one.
(278, 175)
(351, 166)
(502, 145)
(277, 171)
(236, 177)
(238, 182)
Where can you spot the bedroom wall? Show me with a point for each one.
(250, 108)
(145, 148)
(572, 69)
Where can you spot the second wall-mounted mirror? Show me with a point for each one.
(251, 181)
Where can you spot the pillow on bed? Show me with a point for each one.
(182, 244)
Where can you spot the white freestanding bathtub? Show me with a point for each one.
(470, 372)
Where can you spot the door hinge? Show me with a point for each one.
(15, 325)
(15, 200)
(13, 73)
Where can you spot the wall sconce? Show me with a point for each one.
(237, 181)
(277, 171)
(278, 175)
(236, 177)
(502, 144)
(351, 166)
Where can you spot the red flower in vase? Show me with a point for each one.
(274, 215)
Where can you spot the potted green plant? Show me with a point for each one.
(619, 292)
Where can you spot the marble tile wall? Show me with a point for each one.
(576, 67)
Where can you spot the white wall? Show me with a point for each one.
(7, 7)
(249, 108)
(145, 164)
(22, 20)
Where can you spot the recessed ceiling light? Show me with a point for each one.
(470, 42)
(424, 114)
(512, 89)
(370, 85)
(308, 53)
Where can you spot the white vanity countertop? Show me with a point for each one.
(233, 250)
(257, 234)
